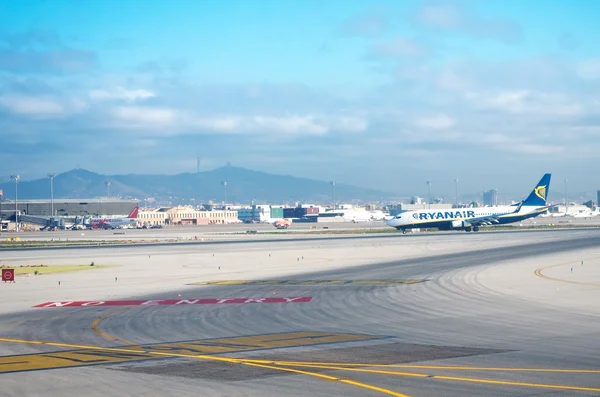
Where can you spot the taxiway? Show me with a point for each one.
(507, 314)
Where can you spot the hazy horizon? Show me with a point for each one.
(447, 192)
(383, 96)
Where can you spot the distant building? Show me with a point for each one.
(300, 212)
(158, 216)
(255, 213)
(490, 198)
(597, 199)
(185, 215)
(69, 207)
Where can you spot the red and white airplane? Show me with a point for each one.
(116, 223)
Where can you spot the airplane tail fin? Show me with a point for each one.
(537, 198)
(134, 212)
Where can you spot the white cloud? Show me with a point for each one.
(533, 148)
(146, 116)
(219, 123)
(120, 93)
(146, 143)
(40, 106)
(451, 80)
(526, 102)
(517, 143)
(440, 15)
(289, 125)
(436, 122)
(495, 138)
(367, 24)
(511, 102)
(589, 70)
(509, 113)
(186, 122)
(399, 47)
(453, 18)
(349, 124)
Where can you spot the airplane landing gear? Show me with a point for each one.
(476, 229)
(467, 229)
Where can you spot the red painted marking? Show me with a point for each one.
(165, 302)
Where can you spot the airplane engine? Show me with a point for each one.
(459, 224)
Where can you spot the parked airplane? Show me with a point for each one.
(472, 218)
(114, 223)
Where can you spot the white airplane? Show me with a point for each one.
(378, 215)
(116, 223)
(470, 219)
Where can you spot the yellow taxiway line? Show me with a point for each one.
(106, 335)
(208, 357)
(443, 367)
(326, 377)
(539, 272)
(286, 366)
(442, 377)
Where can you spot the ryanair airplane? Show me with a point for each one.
(470, 219)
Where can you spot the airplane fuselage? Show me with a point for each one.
(113, 222)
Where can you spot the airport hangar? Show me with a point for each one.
(68, 207)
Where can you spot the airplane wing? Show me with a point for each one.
(484, 220)
(487, 220)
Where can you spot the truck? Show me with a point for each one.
(282, 224)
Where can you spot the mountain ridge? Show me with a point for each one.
(243, 186)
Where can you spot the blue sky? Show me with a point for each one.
(378, 94)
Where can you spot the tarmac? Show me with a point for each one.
(452, 314)
(233, 231)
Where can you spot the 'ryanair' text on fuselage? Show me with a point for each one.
(444, 215)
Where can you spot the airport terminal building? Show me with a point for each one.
(68, 207)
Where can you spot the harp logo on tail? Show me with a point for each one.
(540, 191)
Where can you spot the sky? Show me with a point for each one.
(383, 95)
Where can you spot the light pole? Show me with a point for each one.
(429, 189)
(16, 179)
(456, 189)
(566, 203)
(332, 195)
(107, 183)
(51, 176)
(224, 183)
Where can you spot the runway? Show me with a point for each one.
(238, 231)
(506, 314)
(186, 231)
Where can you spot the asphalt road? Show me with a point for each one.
(473, 312)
